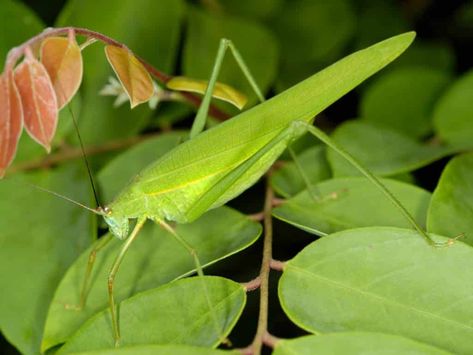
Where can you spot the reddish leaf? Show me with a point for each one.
(133, 76)
(38, 100)
(11, 120)
(62, 59)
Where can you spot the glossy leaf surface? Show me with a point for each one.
(354, 343)
(173, 349)
(41, 237)
(154, 258)
(453, 112)
(339, 204)
(204, 32)
(381, 150)
(288, 181)
(62, 59)
(386, 280)
(451, 209)
(403, 99)
(175, 313)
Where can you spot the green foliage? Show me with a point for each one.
(377, 289)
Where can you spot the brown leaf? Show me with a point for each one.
(11, 120)
(62, 59)
(132, 74)
(38, 99)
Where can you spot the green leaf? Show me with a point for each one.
(119, 171)
(403, 99)
(377, 20)
(18, 24)
(288, 181)
(175, 313)
(381, 150)
(337, 206)
(453, 112)
(260, 10)
(204, 32)
(154, 258)
(312, 33)
(354, 343)
(428, 54)
(383, 279)
(41, 236)
(154, 36)
(172, 349)
(451, 208)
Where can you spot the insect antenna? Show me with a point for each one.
(64, 198)
(86, 161)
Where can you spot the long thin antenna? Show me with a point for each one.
(86, 161)
(63, 197)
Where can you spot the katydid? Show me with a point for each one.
(216, 165)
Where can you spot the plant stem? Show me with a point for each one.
(76, 153)
(264, 272)
(17, 52)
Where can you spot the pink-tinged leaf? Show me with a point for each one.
(133, 76)
(11, 120)
(38, 99)
(62, 59)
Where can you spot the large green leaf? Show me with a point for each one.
(429, 54)
(288, 180)
(173, 349)
(177, 313)
(377, 20)
(354, 343)
(344, 203)
(386, 280)
(312, 33)
(204, 32)
(451, 208)
(18, 24)
(403, 99)
(41, 236)
(453, 113)
(381, 150)
(154, 259)
(150, 28)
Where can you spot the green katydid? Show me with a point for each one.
(217, 165)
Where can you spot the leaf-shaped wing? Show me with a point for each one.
(38, 100)
(62, 59)
(132, 74)
(11, 120)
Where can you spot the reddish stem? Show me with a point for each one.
(17, 52)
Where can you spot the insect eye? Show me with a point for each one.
(107, 210)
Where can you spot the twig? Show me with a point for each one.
(16, 53)
(270, 340)
(76, 153)
(252, 285)
(257, 217)
(277, 265)
(264, 272)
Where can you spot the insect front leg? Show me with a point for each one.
(113, 273)
(88, 272)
